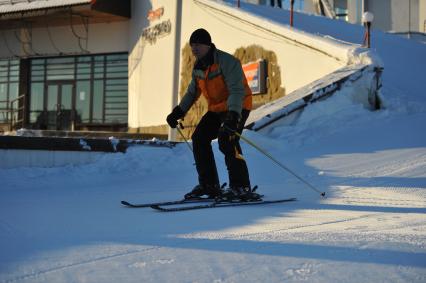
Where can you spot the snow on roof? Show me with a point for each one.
(14, 6)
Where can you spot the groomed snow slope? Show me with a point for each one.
(65, 224)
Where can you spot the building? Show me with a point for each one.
(59, 66)
(122, 65)
(403, 17)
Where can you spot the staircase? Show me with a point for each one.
(323, 7)
(12, 114)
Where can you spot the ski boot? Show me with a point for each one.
(240, 193)
(211, 191)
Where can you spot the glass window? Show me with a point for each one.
(52, 97)
(98, 101)
(101, 87)
(60, 60)
(37, 67)
(60, 68)
(37, 70)
(60, 72)
(123, 82)
(84, 59)
(99, 70)
(341, 9)
(117, 57)
(84, 70)
(9, 86)
(66, 96)
(3, 93)
(4, 71)
(36, 101)
(38, 61)
(83, 101)
(13, 91)
(115, 88)
(117, 99)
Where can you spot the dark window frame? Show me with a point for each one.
(5, 104)
(99, 60)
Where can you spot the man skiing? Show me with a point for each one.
(220, 78)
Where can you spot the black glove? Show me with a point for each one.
(230, 124)
(226, 136)
(172, 118)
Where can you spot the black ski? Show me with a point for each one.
(218, 204)
(165, 203)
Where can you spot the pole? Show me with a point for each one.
(291, 12)
(368, 34)
(409, 18)
(279, 164)
(179, 127)
(176, 62)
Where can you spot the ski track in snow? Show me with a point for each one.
(38, 273)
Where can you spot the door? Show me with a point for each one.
(60, 106)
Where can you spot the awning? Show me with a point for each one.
(15, 6)
(57, 12)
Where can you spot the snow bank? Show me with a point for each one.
(45, 158)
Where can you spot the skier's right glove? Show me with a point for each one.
(230, 123)
(172, 118)
(226, 136)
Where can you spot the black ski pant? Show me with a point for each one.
(208, 130)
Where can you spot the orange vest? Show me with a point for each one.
(214, 89)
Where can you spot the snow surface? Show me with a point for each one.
(65, 224)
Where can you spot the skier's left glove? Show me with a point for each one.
(172, 118)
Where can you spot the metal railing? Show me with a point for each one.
(4, 111)
(12, 113)
(329, 11)
(17, 112)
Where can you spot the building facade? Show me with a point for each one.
(117, 65)
(60, 68)
(408, 16)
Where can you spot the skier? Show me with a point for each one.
(279, 3)
(220, 78)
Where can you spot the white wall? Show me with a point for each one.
(397, 15)
(422, 16)
(151, 72)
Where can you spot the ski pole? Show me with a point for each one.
(279, 163)
(179, 127)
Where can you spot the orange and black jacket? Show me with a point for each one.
(222, 83)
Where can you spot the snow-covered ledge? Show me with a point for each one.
(361, 81)
(16, 158)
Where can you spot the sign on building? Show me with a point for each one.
(256, 75)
